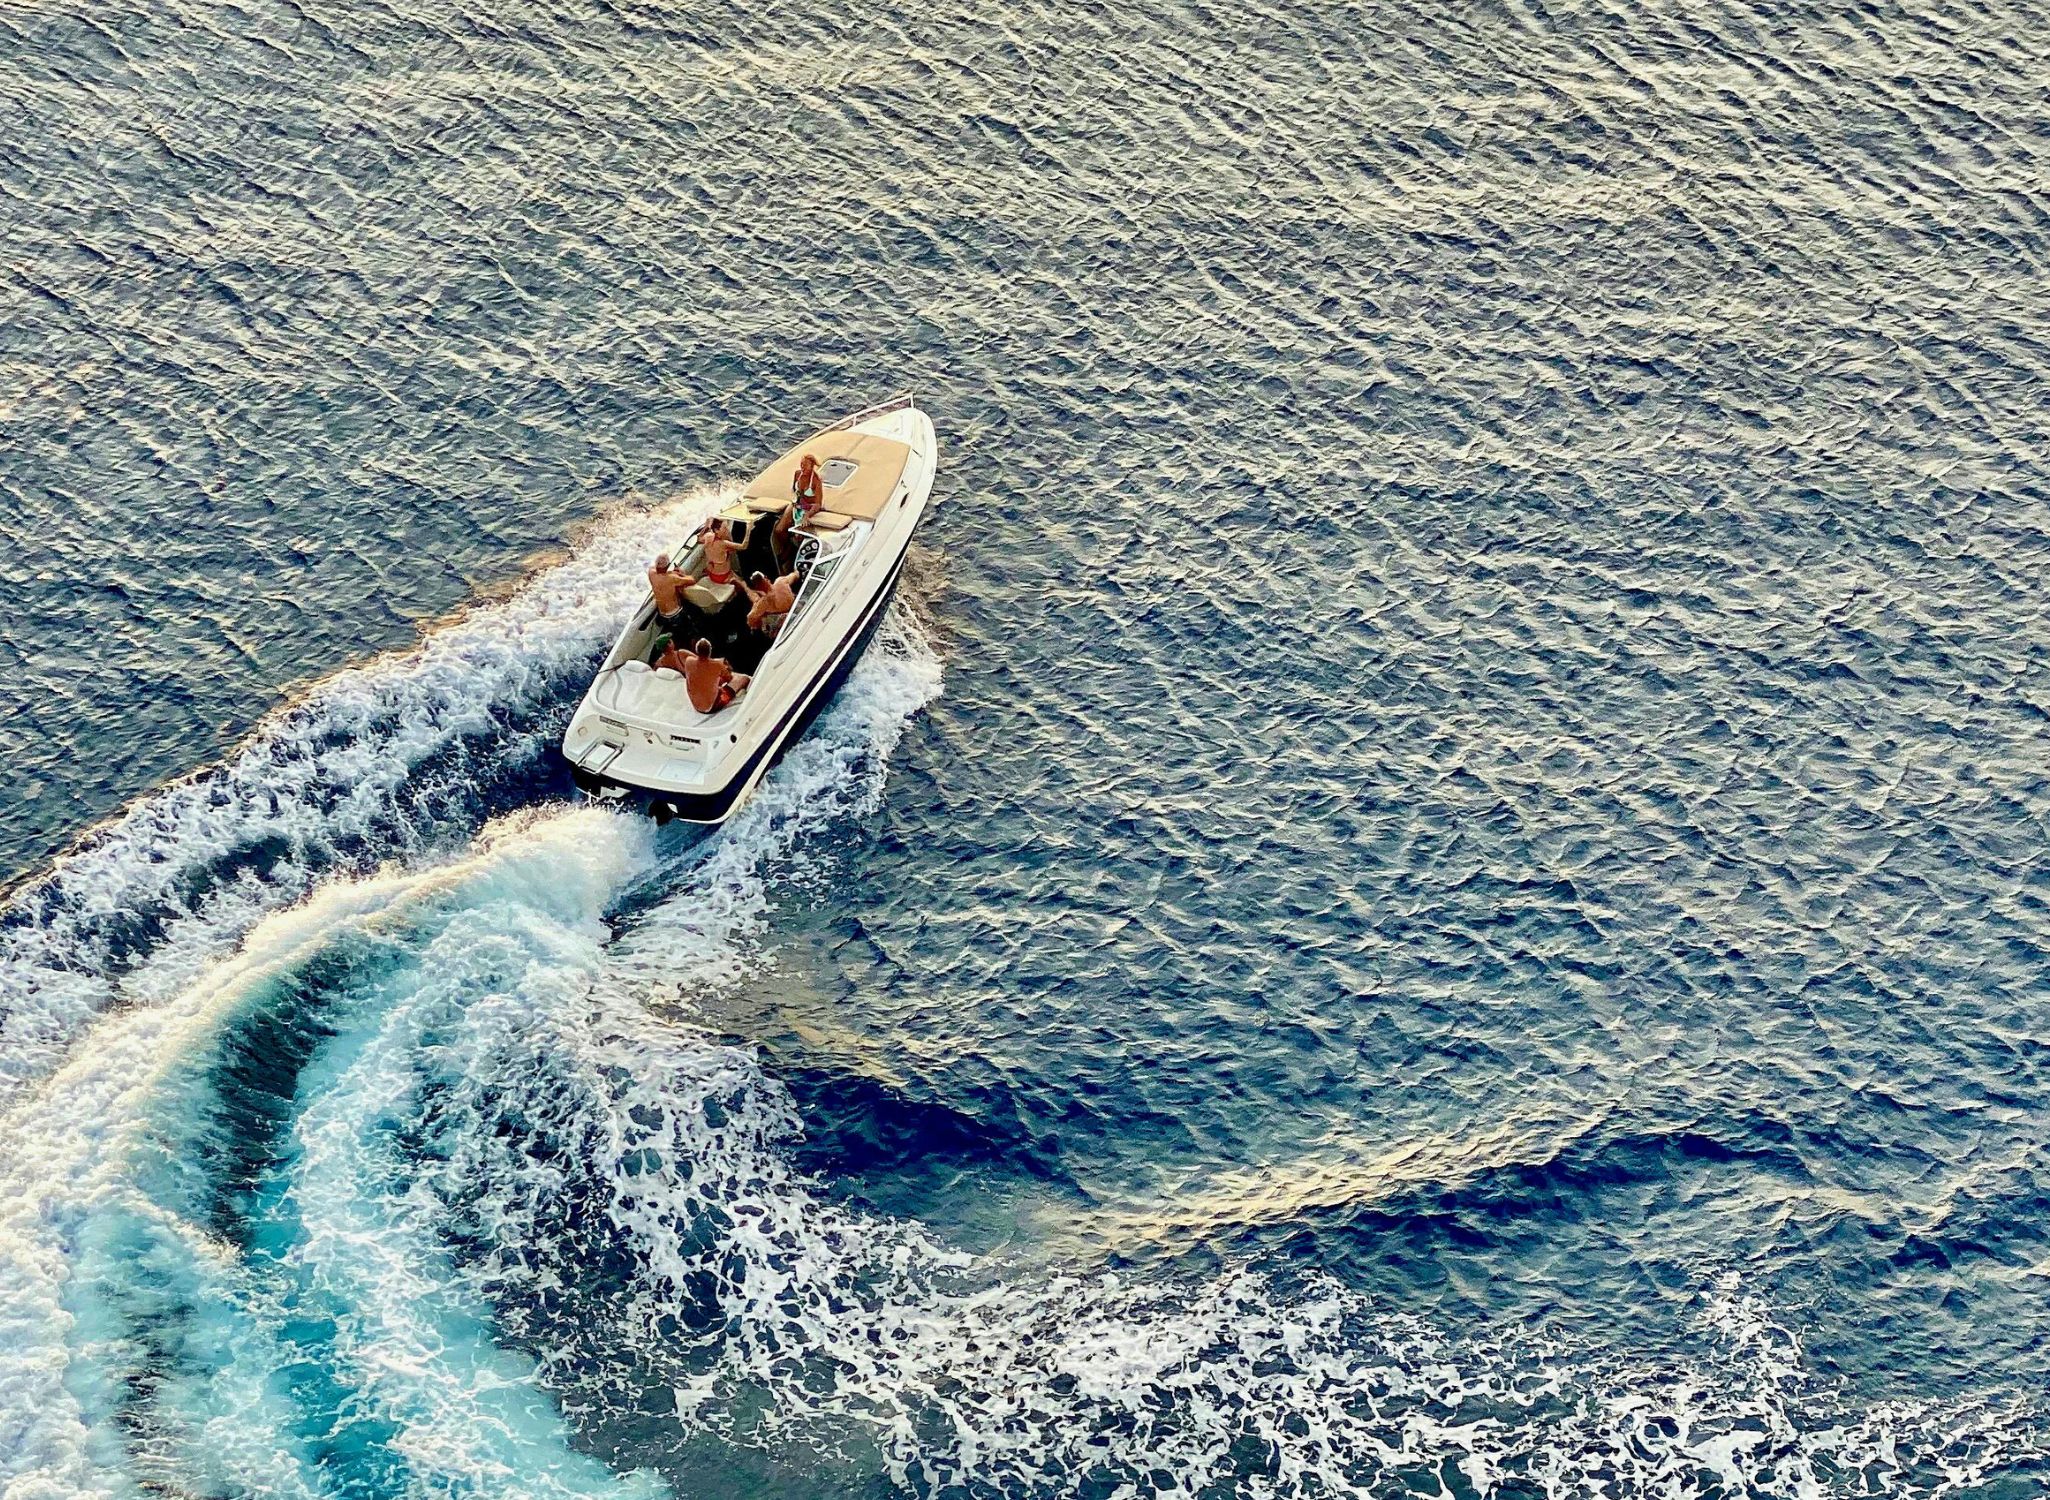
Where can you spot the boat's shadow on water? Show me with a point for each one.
(873, 1144)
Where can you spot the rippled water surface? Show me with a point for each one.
(1437, 884)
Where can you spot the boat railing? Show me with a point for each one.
(895, 403)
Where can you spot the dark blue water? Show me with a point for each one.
(1436, 887)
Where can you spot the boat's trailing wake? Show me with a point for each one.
(427, 1185)
(407, 754)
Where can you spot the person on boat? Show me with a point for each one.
(710, 680)
(668, 585)
(770, 601)
(720, 550)
(807, 499)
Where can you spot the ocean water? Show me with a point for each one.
(1436, 886)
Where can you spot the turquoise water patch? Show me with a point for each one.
(298, 1329)
(1470, 918)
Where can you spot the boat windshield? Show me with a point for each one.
(815, 580)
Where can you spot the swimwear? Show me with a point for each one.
(805, 501)
(705, 678)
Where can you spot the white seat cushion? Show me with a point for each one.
(661, 696)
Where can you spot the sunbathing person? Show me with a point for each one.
(807, 499)
(710, 680)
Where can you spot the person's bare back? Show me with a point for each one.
(710, 680)
(668, 586)
(720, 550)
(770, 598)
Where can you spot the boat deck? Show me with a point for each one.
(860, 470)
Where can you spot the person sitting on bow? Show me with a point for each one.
(807, 499)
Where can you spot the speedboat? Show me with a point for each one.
(637, 732)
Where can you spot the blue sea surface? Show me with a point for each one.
(1436, 885)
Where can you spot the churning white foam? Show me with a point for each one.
(408, 1340)
(334, 1339)
(514, 1185)
(781, 1319)
(136, 1345)
(363, 768)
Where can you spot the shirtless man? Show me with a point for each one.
(771, 599)
(720, 550)
(668, 585)
(710, 680)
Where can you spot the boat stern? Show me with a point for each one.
(688, 769)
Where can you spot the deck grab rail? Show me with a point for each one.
(895, 403)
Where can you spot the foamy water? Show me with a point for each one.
(375, 763)
(1467, 914)
(425, 1181)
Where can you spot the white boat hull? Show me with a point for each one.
(632, 738)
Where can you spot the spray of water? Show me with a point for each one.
(378, 762)
(425, 1186)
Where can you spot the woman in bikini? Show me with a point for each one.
(719, 554)
(807, 499)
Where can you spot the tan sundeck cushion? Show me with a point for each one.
(828, 520)
(879, 464)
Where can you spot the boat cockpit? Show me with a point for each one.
(861, 472)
